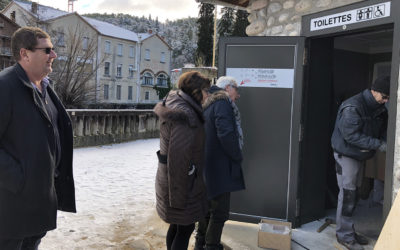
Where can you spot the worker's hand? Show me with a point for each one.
(382, 147)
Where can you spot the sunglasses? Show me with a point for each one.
(46, 50)
(385, 97)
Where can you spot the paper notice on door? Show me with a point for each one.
(262, 78)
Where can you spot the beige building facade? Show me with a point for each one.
(154, 66)
(119, 58)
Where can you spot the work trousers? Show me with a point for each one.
(211, 227)
(28, 243)
(349, 173)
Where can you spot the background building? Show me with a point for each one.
(120, 67)
(7, 28)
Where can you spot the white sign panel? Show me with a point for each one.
(368, 13)
(263, 78)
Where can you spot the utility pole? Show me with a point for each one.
(215, 34)
(71, 5)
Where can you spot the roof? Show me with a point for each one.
(46, 13)
(9, 20)
(109, 29)
(144, 36)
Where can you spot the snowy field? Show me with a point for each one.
(115, 200)
(116, 207)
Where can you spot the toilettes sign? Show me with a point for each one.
(364, 14)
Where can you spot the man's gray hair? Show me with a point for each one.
(225, 81)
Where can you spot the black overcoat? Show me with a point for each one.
(223, 171)
(30, 194)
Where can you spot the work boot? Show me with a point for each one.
(200, 243)
(214, 247)
(352, 245)
(361, 239)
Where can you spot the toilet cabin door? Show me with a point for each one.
(269, 71)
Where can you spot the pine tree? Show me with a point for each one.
(241, 22)
(4, 3)
(225, 25)
(205, 35)
(157, 25)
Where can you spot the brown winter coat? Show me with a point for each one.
(181, 198)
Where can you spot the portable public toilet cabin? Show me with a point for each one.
(291, 88)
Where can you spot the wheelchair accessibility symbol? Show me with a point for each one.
(379, 11)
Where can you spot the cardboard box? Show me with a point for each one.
(275, 234)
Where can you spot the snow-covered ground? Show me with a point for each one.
(116, 207)
(115, 200)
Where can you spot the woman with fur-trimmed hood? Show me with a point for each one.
(180, 190)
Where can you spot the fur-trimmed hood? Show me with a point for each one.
(216, 96)
(179, 107)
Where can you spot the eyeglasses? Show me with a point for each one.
(385, 97)
(234, 86)
(46, 50)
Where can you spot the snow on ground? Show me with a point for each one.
(115, 200)
(116, 207)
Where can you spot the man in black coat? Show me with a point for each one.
(359, 131)
(35, 145)
(223, 171)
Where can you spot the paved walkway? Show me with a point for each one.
(243, 236)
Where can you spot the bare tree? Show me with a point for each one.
(75, 67)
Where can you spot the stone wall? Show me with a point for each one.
(283, 17)
(101, 126)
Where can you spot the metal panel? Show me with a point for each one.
(270, 120)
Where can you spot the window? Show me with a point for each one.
(131, 51)
(161, 80)
(107, 47)
(105, 91)
(119, 49)
(130, 71)
(60, 39)
(85, 43)
(119, 70)
(107, 68)
(130, 90)
(146, 95)
(12, 16)
(162, 57)
(147, 55)
(118, 92)
(147, 79)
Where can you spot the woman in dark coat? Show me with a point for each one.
(180, 190)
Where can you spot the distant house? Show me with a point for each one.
(154, 65)
(122, 63)
(7, 28)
